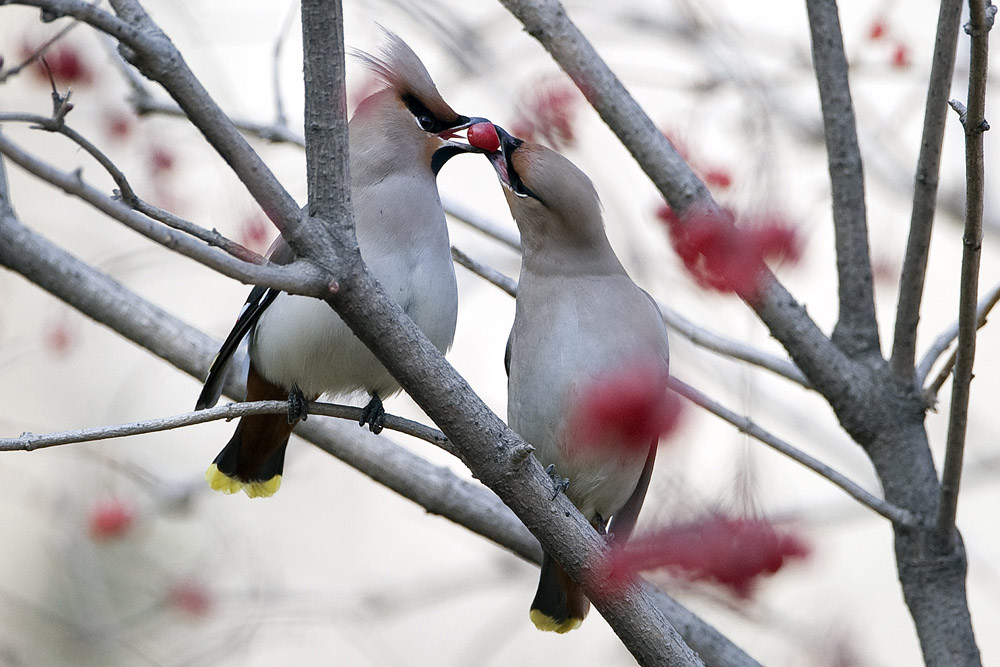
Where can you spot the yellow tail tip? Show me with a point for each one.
(222, 482)
(548, 624)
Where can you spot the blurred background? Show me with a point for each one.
(117, 553)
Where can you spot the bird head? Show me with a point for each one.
(549, 197)
(408, 117)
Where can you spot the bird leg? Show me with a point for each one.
(559, 484)
(373, 414)
(298, 406)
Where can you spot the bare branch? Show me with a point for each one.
(944, 340)
(298, 278)
(488, 273)
(856, 331)
(31, 441)
(981, 19)
(462, 212)
(895, 514)
(925, 188)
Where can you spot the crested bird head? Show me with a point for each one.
(553, 203)
(408, 115)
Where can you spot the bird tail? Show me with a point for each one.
(253, 459)
(559, 604)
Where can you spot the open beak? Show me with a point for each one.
(500, 159)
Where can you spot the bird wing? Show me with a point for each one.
(258, 301)
(624, 520)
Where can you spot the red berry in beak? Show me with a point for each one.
(484, 136)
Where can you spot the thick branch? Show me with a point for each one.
(975, 124)
(856, 331)
(925, 187)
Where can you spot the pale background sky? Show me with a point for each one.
(337, 570)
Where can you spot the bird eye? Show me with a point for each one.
(426, 122)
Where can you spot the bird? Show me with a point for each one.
(578, 317)
(399, 138)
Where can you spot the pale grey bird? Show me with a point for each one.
(578, 317)
(299, 347)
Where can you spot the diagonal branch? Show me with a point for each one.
(981, 14)
(299, 278)
(856, 331)
(895, 514)
(925, 187)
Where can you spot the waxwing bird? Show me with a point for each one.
(578, 317)
(299, 348)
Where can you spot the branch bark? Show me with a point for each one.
(925, 186)
(856, 331)
(974, 122)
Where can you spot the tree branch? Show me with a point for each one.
(856, 331)
(31, 441)
(298, 278)
(925, 188)
(981, 14)
(944, 340)
(895, 514)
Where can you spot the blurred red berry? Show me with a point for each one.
(60, 338)
(732, 552)
(547, 114)
(161, 160)
(118, 125)
(110, 519)
(718, 178)
(877, 29)
(901, 56)
(255, 232)
(721, 256)
(190, 597)
(65, 62)
(629, 407)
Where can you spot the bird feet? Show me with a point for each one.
(298, 406)
(559, 484)
(373, 414)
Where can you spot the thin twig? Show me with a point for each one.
(944, 340)
(925, 190)
(27, 442)
(298, 278)
(897, 515)
(462, 212)
(280, 119)
(980, 21)
(491, 275)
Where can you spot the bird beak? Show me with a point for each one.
(451, 133)
(500, 159)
